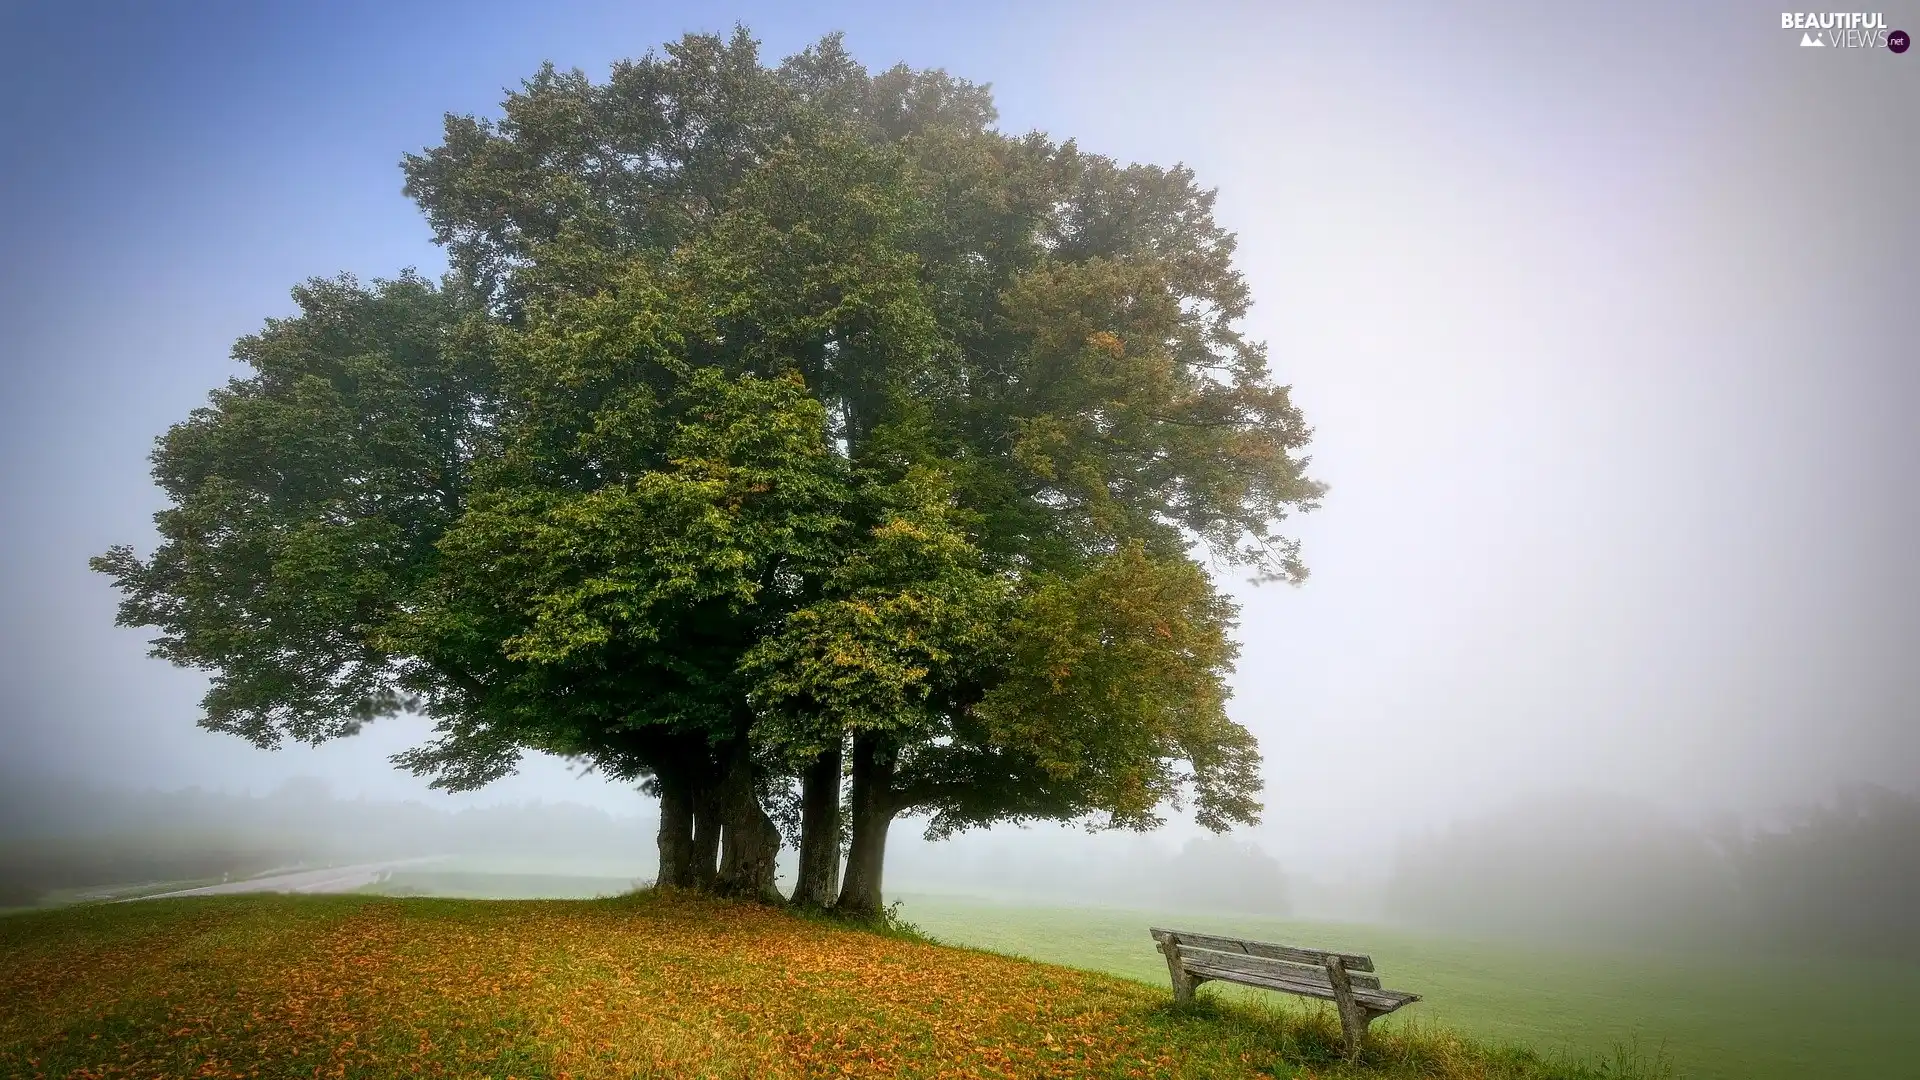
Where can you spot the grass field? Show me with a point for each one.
(640, 986)
(1713, 1017)
(486, 885)
(53, 898)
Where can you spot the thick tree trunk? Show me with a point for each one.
(749, 850)
(819, 873)
(703, 871)
(872, 813)
(751, 843)
(676, 835)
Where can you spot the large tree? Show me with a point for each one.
(772, 417)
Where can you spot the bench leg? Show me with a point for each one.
(1354, 1017)
(1183, 980)
(1353, 1023)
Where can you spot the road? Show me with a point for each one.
(332, 879)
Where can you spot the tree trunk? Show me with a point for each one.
(750, 845)
(676, 835)
(702, 872)
(873, 811)
(819, 874)
(749, 849)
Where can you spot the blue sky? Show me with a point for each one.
(1602, 314)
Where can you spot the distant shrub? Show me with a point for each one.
(1844, 876)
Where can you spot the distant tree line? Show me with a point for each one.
(1845, 876)
(1840, 877)
(785, 439)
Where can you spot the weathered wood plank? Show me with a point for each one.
(1260, 965)
(1267, 949)
(1378, 1001)
(1268, 982)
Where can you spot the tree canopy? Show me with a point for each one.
(775, 424)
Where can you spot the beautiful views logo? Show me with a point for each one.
(1845, 30)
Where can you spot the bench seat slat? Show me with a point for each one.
(1379, 1001)
(1268, 950)
(1278, 969)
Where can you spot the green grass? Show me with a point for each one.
(648, 985)
(94, 894)
(1715, 1017)
(484, 885)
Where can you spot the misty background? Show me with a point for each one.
(1603, 314)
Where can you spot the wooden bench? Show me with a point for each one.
(1346, 979)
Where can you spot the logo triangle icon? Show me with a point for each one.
(1809, 40)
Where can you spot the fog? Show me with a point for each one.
(60, 837)
(1603, 316)
(1583, 867)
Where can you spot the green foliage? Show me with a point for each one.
(627, 605)
(1119, 673)
(307, 502)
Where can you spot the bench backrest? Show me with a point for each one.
(1263, 959)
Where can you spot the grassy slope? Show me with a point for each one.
(647, 986)
(1713, 1017)
(482, 885)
